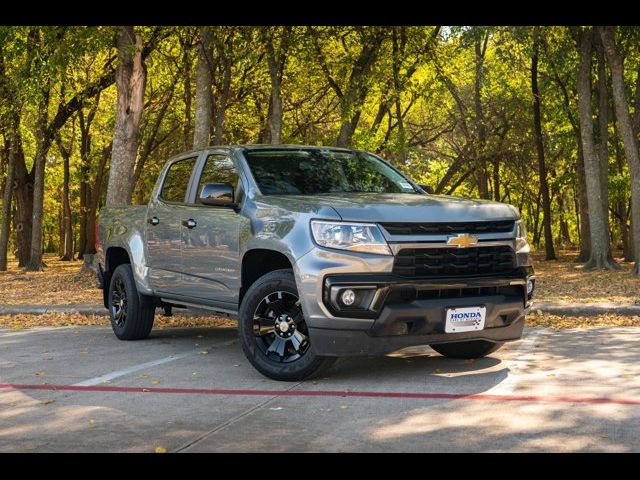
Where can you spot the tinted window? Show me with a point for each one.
(176, 182)
(308, 172)
(218, 169)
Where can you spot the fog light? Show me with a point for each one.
(348, 297)
(530, 286)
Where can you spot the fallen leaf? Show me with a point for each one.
(39, 373)
(344, 407)
(195, 374)
(47, 402)
(203, 352)
(161, 450)
(144, 375)
(155, 382)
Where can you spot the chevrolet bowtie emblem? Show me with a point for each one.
(462, 240)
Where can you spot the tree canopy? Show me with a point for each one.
(492, 112)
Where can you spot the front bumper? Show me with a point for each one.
(340, 343)
(408, 311)
(421, 321)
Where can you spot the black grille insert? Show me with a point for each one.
(409, 294)
(454, 262)
(447, 228)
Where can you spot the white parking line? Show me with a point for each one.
(520, 357)
(10, 333)
(133, 369)
(136, 368)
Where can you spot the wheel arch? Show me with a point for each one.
(258, 262)
(113, 257)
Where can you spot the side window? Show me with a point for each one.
(218, 169)
(176, 182)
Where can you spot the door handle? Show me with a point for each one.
(154, 220)
(191, 223)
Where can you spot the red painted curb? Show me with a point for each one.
(328, 393)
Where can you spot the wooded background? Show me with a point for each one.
(544, 118)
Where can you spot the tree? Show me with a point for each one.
(625, 123)
(204, 97)
(599, 233)
(131, 78)
(276, 43)
(67, 231)
(352, 95)
(542, 168)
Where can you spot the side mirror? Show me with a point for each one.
(426, 188)
(217, 194)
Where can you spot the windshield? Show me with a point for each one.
(315, 171)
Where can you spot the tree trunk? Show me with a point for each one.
(131, 75)
(276, 58)
(204, 97)
(93, 201)
(603, 130)
(599, 232)
(221, 110)
(67, 254)
(585, 236)
(23, 196)
(626, 132)
(6, 205)
(186, 79)
(43, 142)
(482, 177)
(542, 168)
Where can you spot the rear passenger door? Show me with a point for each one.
(210, 249)
(163, 227)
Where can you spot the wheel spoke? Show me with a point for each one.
(297, 339)
(277, 346)
(265, 325)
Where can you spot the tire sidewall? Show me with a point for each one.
(125, 273)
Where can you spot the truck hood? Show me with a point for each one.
(400, 207)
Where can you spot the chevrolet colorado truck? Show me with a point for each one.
(318, 253)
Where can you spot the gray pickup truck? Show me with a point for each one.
(319, 253)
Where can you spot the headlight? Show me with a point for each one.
(354, 237)
(521, 236)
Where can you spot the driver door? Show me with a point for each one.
(211, 248)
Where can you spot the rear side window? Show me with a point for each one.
(176, 183)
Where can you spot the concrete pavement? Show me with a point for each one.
(80, 389)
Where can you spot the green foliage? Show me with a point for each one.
(442, 107)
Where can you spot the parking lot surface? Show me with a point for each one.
(191, 390)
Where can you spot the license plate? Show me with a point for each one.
(465, 319)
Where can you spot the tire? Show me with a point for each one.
(131, 319)
(278, 344)
(471, 349)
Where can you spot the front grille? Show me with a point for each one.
(448, 228)
(454, 262)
